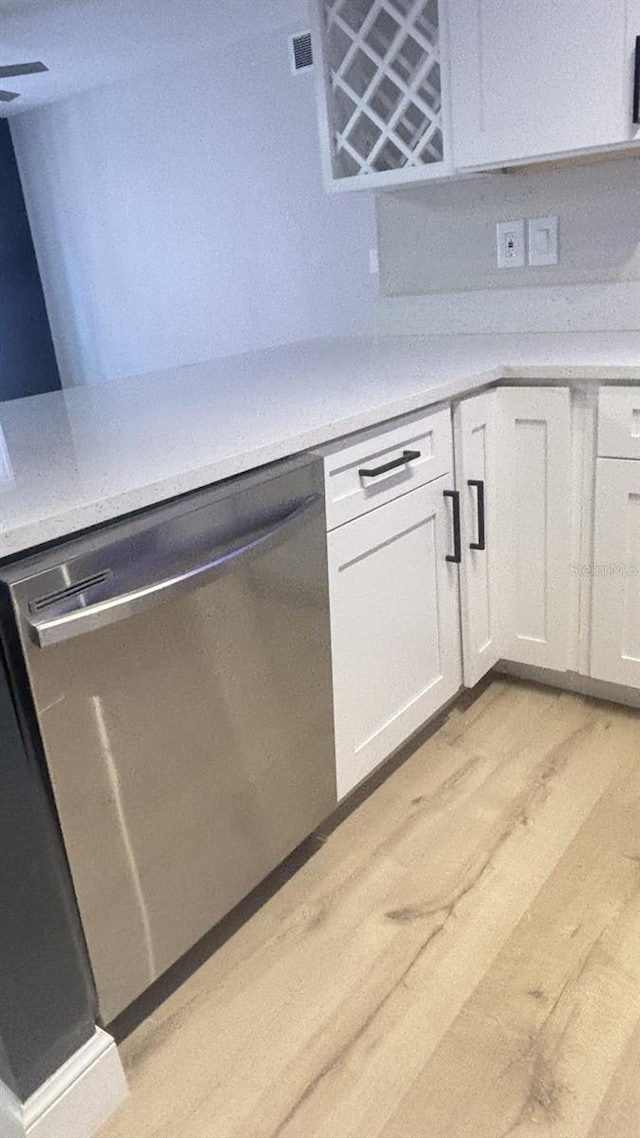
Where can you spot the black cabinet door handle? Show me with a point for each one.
(456, 556)
(406, 457)
(637, 82)
(479, 485)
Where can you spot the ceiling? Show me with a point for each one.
(88, 43)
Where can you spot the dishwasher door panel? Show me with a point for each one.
(190, 749)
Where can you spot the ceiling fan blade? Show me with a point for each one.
(8, 96)
(21, 69)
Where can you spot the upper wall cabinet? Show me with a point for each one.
(382, 106)
(530, 80)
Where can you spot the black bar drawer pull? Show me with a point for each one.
(479, 485)
(456, 556)
(637, 82)
(406, 457)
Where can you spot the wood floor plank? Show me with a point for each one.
(363, 996)
(355, 1097)
(619, 1114)
(518, 1060)
(504, 719)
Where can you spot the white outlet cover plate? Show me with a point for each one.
(543, 241)
(510, 244)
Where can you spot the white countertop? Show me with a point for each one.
(72, 459)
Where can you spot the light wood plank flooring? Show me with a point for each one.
(459, 959)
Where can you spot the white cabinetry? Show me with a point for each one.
(411, 90)
(432, 574)
(476, 480)
(534, 509)
(425, 571)
(615, 605)
(419, 448)
(381, 103)
(513, 463)
(393, 584)
(395, 626)
(533, 80)
(615, 621)
(619, 422)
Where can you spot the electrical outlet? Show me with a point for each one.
(510, 244)
(543, 241)
(374, 264)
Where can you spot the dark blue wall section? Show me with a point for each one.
(47, 999)
(27, 359)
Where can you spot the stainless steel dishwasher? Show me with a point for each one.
(180, 668)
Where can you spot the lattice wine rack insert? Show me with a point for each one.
(384, 67)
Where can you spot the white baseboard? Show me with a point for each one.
(572, 681)
(10, 1114)
(76, 1101)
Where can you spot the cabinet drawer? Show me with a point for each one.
(619, 422)
(419, 447)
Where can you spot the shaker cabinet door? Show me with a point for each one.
(530, 80)
(476, 479)
(534, 510)
(395, 625)
(615, 615)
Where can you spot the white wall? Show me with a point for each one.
(181, 216)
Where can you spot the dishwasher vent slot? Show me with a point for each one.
(70, 591)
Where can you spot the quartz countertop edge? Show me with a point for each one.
(71, 460)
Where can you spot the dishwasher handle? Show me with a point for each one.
(54, 629)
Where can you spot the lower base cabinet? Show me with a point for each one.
(533, 569)
(406, 615)
(476, 478)
(615, 615)
(395, 625)
(513, 464)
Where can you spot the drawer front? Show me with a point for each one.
(380, 465)
(619, 422)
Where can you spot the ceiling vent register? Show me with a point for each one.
(301, 52)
